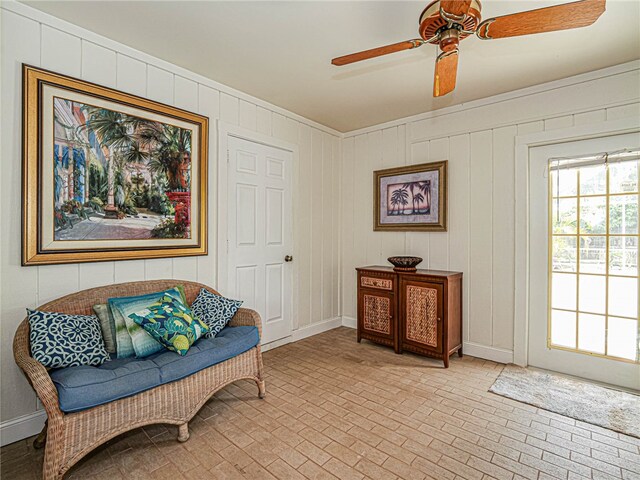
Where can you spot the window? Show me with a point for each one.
(593, 255)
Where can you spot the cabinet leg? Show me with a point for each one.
(460, 352)
(446, 361)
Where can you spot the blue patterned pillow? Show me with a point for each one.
(214, 310)
(61, 340)
(171, 323)
(131, 339)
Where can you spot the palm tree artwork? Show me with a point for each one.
(419, 192)
(138, 173)
(398, 197)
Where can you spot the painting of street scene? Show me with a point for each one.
(412, 198)
(118, 176)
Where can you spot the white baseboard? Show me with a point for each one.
(499, 355)
(349, 322)
(305, 332)
(495, 354)
(316, 328)
(21, 427)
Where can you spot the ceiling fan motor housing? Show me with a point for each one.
(433, 25)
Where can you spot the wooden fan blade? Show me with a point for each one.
(444, 80)
(549, 19)
(455, 8)
(377, 52)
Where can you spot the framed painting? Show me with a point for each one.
(411, 198)
(107, 175)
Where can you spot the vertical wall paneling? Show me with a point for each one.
(61, 52)
(558, 122)
(302, 218)
(361, 220)
(336, 211)
(439, 241)
(129, 271)
(459, 235)
(185, 96)
(247, 115)
(316, 186)
(392, 156)
(373, 241)
(131, 74)
(19, 285)
(316, 219)
(479, 142)
(630, 110)
(328, 211)
(503, 222)
(481, 251)
(263, 121)
(347, 227)
(418, 243)
(594, 116)
(209, 105)
(229, 110)
(98, 64)
(530, 127)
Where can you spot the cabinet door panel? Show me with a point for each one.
(422, 310)
(377, 313)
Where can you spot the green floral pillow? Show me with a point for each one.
(171, 323)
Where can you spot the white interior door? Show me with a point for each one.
(583, 291)
(260, 239)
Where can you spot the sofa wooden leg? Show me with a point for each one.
(41, 439)
(262, 389)
(183, 432)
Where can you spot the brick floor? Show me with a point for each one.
(336, 409)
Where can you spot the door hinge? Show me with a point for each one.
(227, 155)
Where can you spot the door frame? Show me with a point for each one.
(524, 144)
(226, 130)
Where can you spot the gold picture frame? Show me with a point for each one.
(107, 175)
(411, 198)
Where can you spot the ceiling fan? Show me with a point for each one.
(446, 22)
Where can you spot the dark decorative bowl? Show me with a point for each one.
(404, 263)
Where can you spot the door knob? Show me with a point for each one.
(288, 258)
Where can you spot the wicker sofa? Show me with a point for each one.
(70, 436)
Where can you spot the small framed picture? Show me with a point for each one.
(108, 175)
(411, 198)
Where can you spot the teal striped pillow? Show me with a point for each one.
(131, 339)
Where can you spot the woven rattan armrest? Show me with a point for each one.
(247, 317)
(36, 373)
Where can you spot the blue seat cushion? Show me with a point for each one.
(84, 386)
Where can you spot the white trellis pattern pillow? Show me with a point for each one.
(214, 310)
(61, 340)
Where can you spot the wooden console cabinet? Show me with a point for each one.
(420, 311)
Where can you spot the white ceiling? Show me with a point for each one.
(281, 51)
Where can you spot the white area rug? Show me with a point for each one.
(580, 400)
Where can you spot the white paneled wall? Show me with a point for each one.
(28, 36)
(478, 140)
